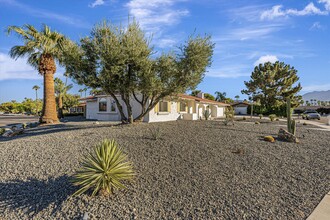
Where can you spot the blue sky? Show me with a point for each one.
(245, 32)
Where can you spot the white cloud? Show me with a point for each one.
(16, 69)
(273, 13)
(316, 26)
(166, 42)
(230, 71)
(153, 15)
(96, 3)
(253, 32)
(316, 87)
(265, 59)
(277, 11)
(326, 4)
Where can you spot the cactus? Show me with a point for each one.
(291, 123)
(293, 127)
(207, 114)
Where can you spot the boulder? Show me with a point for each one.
(287, 136)
(11, 133)
(269, 139)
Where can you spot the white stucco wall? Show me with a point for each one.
(220, 111)
(194, 109)
(172, 115)
(92, 111)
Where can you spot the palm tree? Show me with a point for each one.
(66, 74)
(36, 88)
(85, 89)
(81, 91)
(94, 92)
(42, 48)
(60, 91)
(220, 96)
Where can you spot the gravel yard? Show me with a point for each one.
(191, 172)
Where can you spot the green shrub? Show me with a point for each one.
(260, 116)
(155, 133)
(230, 112)
(2, 131)
(272, 117)
(103, 170)
(257, 123)
(244, 118)
(305, 123)
(277, 119)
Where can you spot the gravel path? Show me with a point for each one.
(190, 173)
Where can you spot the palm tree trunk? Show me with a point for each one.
(49, 111)
(60, 106)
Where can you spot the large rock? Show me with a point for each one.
(12, 133)
(287, 136)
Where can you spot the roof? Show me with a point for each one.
(88, 98)
(182, 96)
(197, 99)
(240, 103)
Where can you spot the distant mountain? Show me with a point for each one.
(318, 95)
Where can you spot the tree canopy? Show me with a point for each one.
(271, 84)
(120, 61)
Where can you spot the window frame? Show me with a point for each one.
(114, 105)
(104, 102)
(185, 106)
(159, 107)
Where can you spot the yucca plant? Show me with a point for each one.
(155, 133)
(103, 170)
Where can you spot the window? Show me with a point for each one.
(102, 105)
(163, 106)
(183, 106)
(113, 106)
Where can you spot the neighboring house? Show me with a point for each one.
(103, 108)
(240, 108)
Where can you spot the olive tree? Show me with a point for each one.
(120, 61)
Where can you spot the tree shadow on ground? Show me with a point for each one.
(50, 129)
(33, 196)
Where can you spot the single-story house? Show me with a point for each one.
(240, 108)
(182, 106)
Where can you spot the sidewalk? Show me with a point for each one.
(322, 211)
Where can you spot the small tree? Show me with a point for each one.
(36, 88)
(60, 91)
(119, 61)
(272, 84)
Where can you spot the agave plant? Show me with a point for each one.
(103, 170)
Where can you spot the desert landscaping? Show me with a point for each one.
(189, 170)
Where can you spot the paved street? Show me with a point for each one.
(6, 120)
